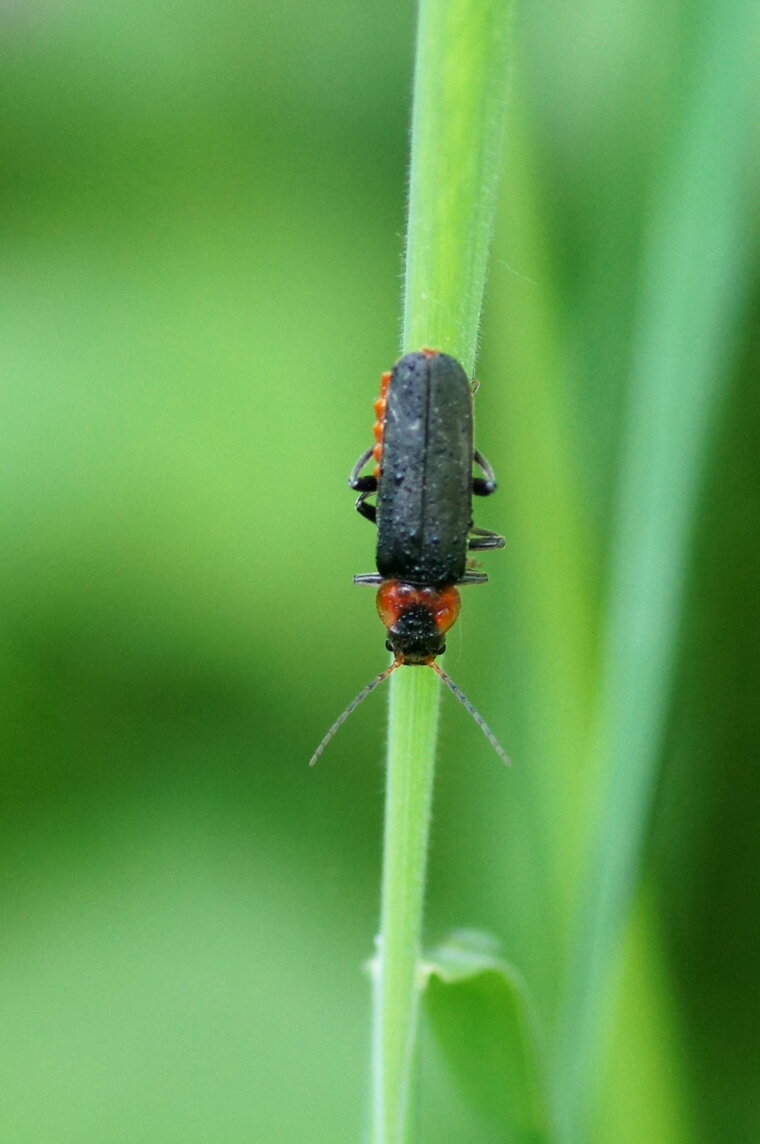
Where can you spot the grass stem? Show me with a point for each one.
(457, 127)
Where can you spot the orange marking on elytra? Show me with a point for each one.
(379, 425)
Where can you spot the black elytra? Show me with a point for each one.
(424, 490)
(425, 485)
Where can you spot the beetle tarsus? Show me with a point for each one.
(481, 539)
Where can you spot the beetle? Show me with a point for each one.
(423, 486)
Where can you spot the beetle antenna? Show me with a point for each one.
(460, 695)
(365, 691)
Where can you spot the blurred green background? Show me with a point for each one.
(202, 216)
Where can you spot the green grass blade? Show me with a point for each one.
(458, 119)
(696, 276)
(457, 128)
(409, 790)
(551, 536)
(641, 1085)
(483, 1019)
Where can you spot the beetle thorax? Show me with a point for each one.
(417, 619)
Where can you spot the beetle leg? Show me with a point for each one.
(483, 538)
(362, 484)
(473, 578)
(485, 485)
(368, 511)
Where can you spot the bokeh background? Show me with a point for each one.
(202, 228)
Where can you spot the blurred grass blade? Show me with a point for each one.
(696, 274)
(483, 1020)
(641, 1082)
(552, 541)
(458, 121)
